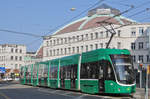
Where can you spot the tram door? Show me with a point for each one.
(105, 73)
(73, 76)
(101, 76)
(62, 77)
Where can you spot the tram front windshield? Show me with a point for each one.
(123, 68)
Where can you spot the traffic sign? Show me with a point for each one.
(2, 70)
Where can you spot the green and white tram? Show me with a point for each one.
(98, 71)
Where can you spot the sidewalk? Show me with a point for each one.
(140, 93)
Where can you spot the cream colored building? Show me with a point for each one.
(12, 56)
(88, 34)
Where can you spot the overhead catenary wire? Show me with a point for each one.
(145, 3)
(107, 19)
(71, 19)
(21, 33)
(52, 30)
(126, 24)
(75, 16)
(137, 13)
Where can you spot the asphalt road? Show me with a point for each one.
(17, 91)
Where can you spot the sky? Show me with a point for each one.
(40, 17)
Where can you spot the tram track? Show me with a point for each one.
(4, 96)
(78, 95)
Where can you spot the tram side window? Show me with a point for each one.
(26, 73)
(71, 71)
(45, 71)
(62, 72)
(68, 71)
(53, 72)
(89, 70)
(40, 71)
(34, 71)
(29, 72)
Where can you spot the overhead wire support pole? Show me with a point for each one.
(112, 33)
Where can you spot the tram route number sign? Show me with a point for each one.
(2, 70)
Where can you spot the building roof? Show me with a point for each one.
(103, 13)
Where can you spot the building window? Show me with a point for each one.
(77, 38)
(11, 58)
(133, 46)
(133, 32)
(20, 58)
(86, 36)
(54, 42)
(50, 52)
(57, 51)
(101, 45)
(134, 58)
(107, 34)
(119, 45)
(147, 45)
(61, 51)
(20, 50)
(141, 58)
(73, 49)
(61, 41)
(65, 40)
(69, 39)
(81, 48)
(96, 35)
(86, 48)
(12, 50)
(91, 36)
(96, 46)
(119, 32)
(53, 52)
(73, 38)
(140, 45)
(77, 49)
(82, 37)
(148, 58)
(16, 50)
(51, 42)
(91, 47)
(57, 41)
(65, 51)
(141, 31)
(47, 43)
(101, 34)
(69, 50)
(16, 58)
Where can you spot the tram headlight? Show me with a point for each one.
(128, 89)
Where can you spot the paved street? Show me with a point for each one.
(17, 91)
